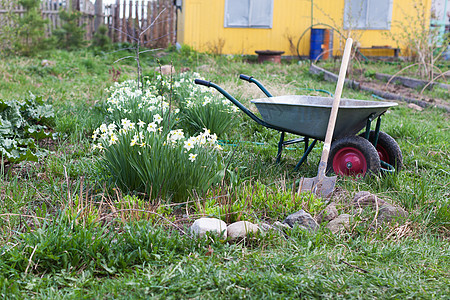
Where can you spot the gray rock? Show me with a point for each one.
(415, 107)
(389, 212)
(241, 229)
(203, 225)
(328, 214)
(298, 226)
(301, 218)
(265, 227)
(281, 226)
(386, 211)
(364, 198)
(339, 224)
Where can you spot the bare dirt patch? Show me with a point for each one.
(403, 91)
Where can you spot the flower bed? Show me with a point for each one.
(158, 140)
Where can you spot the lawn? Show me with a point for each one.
(70, 231)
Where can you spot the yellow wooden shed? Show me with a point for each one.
(245, 26)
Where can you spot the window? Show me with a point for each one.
(248, 13)
(368, 14)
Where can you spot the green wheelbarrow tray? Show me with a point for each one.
(308, 115)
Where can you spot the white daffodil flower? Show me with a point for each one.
(192, 157)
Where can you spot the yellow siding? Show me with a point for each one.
(201, 25)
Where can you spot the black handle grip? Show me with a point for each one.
(202, 82)
(245, 77)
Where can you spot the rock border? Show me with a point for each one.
(330, 76)
(382, 211)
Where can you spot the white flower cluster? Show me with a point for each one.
(199, 95)
(108, 135)
(195, 95)
(127, 97)
(123, 93)
(105, 133)
(203, 139)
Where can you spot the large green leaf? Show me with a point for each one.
(5, 127)
(21, 124)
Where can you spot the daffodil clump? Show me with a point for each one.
(203, 107)
(141, 134)
(194, 95)
(144, 149)
(128, 101)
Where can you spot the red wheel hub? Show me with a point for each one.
(349, 161)
(383, 154)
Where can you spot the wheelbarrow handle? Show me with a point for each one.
(259, 84)
(237, 103)
(202, 82)
(245, 77)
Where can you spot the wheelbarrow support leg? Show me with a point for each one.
(377, 132)
(305, 155)
(306, 144)
(368, 124)
(280, 147)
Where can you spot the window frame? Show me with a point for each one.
(367, 25)
(249, 24)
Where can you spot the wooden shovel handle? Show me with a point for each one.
(334, 108)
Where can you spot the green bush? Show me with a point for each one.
(22, 123)
(144, 152)
(70, 35)
(7, 32)
(101, 38)
(160, 164)
(200, 108)
(31, 29)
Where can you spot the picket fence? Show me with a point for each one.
(152, 22)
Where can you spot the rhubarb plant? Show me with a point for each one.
(22, 124)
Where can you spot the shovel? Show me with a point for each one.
(322, 185)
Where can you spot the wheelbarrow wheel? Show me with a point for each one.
(388, 149)
(353, 156)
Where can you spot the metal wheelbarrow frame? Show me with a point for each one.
(277, 112)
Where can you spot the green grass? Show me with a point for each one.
(142, 262)
(66, 234)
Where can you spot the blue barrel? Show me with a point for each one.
(317, 36)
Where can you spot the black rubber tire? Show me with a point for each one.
(388, 149)
(357, 148)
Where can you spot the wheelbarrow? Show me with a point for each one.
(351, 154)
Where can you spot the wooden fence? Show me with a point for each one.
(152, 22)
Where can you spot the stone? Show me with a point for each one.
(281, 226)
(298, 226)
(364, 198)
(165, 70)
(386, 211)
(302, 218)
(47, 63)
(389, 212)
(330, 212)
(339, 224)
(203, 225)
(415, 107)
(265, 227)
(241, 229)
